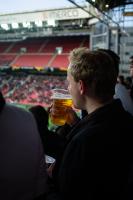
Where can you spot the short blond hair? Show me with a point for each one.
(96, 69)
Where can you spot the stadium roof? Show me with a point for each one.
(109, 4)
(115, 11)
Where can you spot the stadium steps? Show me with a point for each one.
(43, 46)
(51, 60)
(4, 46)
(6, 59)
(10, 47)
(15, 59)
(60, 61)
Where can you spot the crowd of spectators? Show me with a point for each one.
(31, 89)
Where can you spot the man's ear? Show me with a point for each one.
(81, 87)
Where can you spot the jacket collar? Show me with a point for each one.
(112, 108)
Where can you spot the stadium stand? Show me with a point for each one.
(31, 89)
(38, 48)
(4, 46)
(31, 45)
(32, 60)
(6, 59)
(60, 60)
(40, 52)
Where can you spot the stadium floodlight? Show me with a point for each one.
(107, 5)
(5, 26)
(15, 25)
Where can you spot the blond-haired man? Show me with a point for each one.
(97, 156)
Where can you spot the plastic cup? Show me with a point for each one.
(61, 102)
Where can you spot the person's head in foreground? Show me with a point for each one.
(91, 78)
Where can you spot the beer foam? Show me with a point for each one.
(61, 96)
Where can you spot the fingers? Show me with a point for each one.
(72, 117)
(50, 169)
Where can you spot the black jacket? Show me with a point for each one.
(98, 158)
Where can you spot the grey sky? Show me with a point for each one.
(10, 6)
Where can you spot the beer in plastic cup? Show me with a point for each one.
(61, 102)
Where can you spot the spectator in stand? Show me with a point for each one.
(121, 92)
(131, 73)
(22, 169)
(99, 149)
